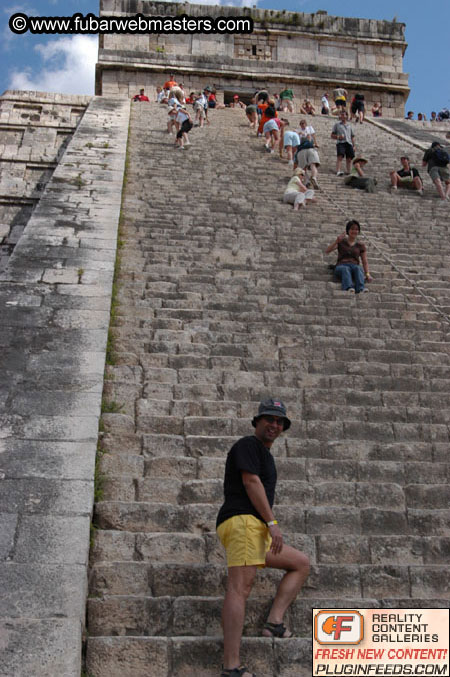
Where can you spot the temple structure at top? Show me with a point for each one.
(309, 53)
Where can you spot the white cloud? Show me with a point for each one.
(68, 67)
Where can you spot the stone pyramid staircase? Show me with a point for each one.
(225, 298)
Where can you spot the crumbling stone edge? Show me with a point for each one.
(55, 298)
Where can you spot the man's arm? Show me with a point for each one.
(257, 495)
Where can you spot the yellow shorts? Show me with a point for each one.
(246, 540)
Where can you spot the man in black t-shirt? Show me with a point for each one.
(406, 177)
(251, 536)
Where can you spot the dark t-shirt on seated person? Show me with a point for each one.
(251, 455)
(350, 254)
(405, 173)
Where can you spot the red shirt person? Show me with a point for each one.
(141, 96)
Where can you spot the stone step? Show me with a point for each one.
(201, 655)
(338, 464)
(200, 517)
(336, 493)
(159, 548)
(199, 579)
(182, 614)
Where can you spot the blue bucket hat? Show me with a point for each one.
(272, 407)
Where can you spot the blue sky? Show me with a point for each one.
(66, 63)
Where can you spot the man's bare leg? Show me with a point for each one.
(439, 188)
(239, 585)
(296, 565)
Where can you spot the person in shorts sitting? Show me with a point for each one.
(406, 177)
(357, 177)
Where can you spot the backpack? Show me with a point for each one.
(441, 157)
(306, 143)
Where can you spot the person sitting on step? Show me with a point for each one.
(307, 108)
(377, 110)
(296, 192)
(141, 96)
(406, 177)
(350, 253)
(357, 179)
(236, 103)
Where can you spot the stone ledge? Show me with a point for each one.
(49, 453)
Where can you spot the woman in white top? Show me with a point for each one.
(296, 192)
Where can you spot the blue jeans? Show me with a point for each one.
(351, 276)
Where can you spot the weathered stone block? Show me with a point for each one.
(188, 653)
(116, 656)
(325, 579)
(343, 549)
(164, 548)
(380, 496)
(7, 535)
(385, 581)
(46, 590)
(129, 616)
(26, 642)
(332, 493)
(112, 546)
(328, 520)
(138, 516)
(162, 445)
(396, 549)
(119, 578)
(429, 522)
(376, 521)
(427, 496)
